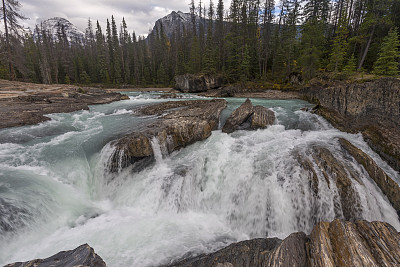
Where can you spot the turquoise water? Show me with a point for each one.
(56, 192)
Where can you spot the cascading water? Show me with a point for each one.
(56, 191)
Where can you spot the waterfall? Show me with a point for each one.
(227, 188)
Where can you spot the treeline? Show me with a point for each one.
(249, 40)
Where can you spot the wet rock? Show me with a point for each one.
(181, 123)
(369, 107)
(339, 243)
(388, 186)
(331, 167)
(190, 83)
(31, 107)
(247, 117)
(241, 115)
(83, 255)
(246, 253)
(262, 117)
(291, 252)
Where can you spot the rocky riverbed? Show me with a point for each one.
(27, 103)
(369, 107)
(343, 171)
(338, 243)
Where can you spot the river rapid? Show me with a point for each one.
(57, 193)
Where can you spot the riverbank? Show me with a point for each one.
(27, 103)
(371, 108)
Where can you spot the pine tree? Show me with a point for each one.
(10, 15)
(209, 62)
(117, 52)
(340, 45)
(219, 36)
(387, 62)
(101, 60)
(351, 66)
(313, 37)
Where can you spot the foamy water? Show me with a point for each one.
(56, 192)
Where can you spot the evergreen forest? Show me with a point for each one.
(250, 40)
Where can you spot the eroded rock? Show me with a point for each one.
(262, 117)
(388, 186)
(30, 108)
(240, 116)
(248, 117)
(181, 123)
(83, 255)
(190, 83)
(368, 107)
(339, 243)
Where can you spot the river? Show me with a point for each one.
(56, 192)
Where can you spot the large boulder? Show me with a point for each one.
(181, 123)
(238, 117)
(83, 255)
(339, 243)
(262, 117)
(190, 83)
(248, 117)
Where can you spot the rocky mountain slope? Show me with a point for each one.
(53, 25)
(176, 22)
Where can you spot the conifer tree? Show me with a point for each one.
(351, 66)
(340, 45)
(388, 57)
(312, 38)
(116, 51)
(10, 15)
(219, 35)
(209, 62)
(101, 60)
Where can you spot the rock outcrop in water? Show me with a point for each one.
(26, 103)
(338, 243)
(249, 117)
(388, 186)
(369, 107)
(83, 256)
(190, 83)
(181, 123)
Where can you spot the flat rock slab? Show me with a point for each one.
(83, 255)
(26, 104)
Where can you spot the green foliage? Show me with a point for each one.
(340, 46)
(351, 66)
(387, 62)
(67, 80)
(84, 78)
(247, 43)
(312, 41)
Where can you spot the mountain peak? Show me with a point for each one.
(53, 26)
(174, 22)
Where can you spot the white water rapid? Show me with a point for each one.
(56, 192)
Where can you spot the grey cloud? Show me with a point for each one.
(140, 15)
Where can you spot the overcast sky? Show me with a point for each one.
(140, 15)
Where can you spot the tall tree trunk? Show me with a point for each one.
(366, 48)
(8, 47)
